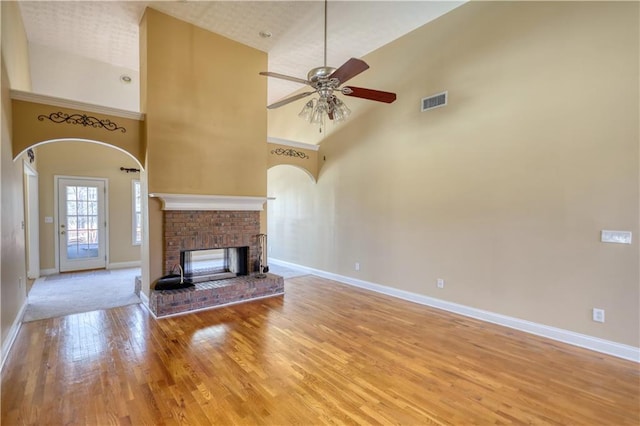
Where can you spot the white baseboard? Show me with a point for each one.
(576, 339)
(123, 265)
(13, 333)
(113, 265)
(145, 299)
(145, 302)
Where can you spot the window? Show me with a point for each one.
(137, 213)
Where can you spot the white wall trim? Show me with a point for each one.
(210, 202)
(32, 220)
(124, 265)
(294, 144)
(145, 301)
(50, 271)
(68, 103)
(13, 333)
(576, 339)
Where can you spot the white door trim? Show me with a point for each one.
(56, 215)
(32, 220)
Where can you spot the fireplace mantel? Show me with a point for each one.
(186, 202)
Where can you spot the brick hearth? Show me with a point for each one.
(215, 293)
(200, 222)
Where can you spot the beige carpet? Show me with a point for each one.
(66, 294)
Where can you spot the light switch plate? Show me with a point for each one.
(620, 237)
(48, 219)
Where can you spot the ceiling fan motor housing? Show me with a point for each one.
(319, 78)
(319, 74)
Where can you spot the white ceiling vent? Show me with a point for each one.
(435, 101)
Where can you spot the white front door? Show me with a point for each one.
(82, 223)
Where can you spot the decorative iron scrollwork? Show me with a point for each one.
(82, 119)
(290, 153)
(129, 170)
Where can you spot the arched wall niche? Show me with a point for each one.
(305, 170)
(305, 159)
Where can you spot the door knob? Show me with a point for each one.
(62, 232)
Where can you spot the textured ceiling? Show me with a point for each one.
(108, 30)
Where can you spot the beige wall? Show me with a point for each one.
(15, 48)
(15, 74)
(85, 159)
(206, 121)
(502, 193)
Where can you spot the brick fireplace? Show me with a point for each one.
(212, 222)
(195, 230)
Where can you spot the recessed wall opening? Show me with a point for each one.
(214, 263)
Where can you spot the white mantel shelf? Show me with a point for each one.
(210, 202)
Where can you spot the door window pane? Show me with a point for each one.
(82, 222)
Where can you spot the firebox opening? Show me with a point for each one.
(214, 264)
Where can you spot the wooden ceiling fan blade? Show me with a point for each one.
(289, 100)
(285, 77)
(349, 69)
(373, 95)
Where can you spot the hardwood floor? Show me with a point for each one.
(323, 353)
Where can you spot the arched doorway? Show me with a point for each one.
(72, 227)
(83, 167)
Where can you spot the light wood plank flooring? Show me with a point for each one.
(324, 353)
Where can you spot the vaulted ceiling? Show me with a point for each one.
(108, 30)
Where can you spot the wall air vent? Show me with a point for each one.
(435, 101)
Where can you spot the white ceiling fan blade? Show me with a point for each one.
(285, 77)
(289, 100)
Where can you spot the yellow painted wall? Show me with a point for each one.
(32, 126)
(284, 123)
(206, 121)
(502, 193)
(205, 110)
(85, 159)
(14, 74)
(13, 265)
(306, 159)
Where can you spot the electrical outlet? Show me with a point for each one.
(598, 315)
(357, 266)
(440, 283)
(620, 237)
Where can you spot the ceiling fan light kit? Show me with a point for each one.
(325, 80)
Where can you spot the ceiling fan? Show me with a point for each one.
(327, 80)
